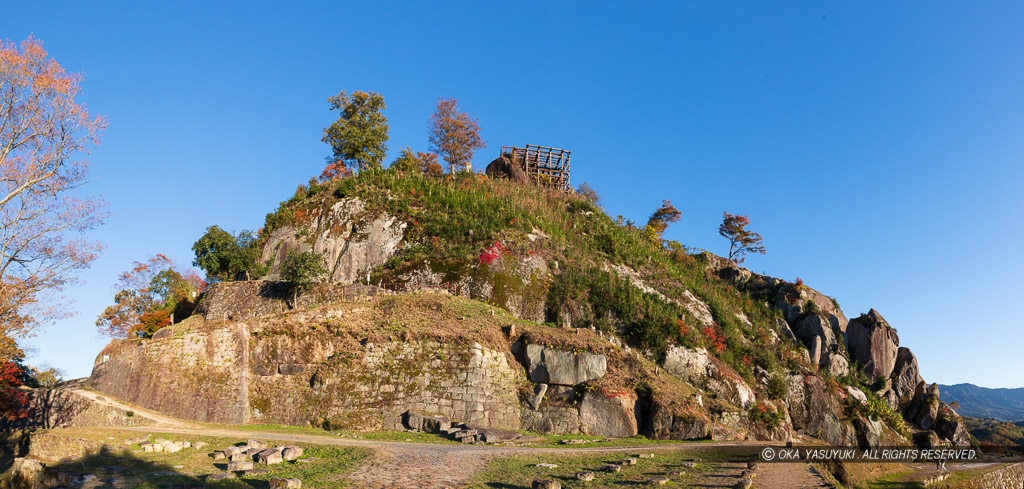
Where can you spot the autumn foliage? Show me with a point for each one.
(429, 164)
(741, 240)
(454, 135)
(13, 401)
(150, 293)
(44, 134)
(665, 215)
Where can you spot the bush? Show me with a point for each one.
(778, 386)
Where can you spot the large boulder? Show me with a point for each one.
(797, 301)
(551, 366)
(689, 364)
(950, 426)
(816, 333)
(873, 344)
(608, 414)
(815, 408)
(504, 167)
(906, 376)
(668, 426)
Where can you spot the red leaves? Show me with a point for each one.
(13, 402)
(429, 164)
(335, 170)
(714, 340)
(491, 254)
(149, 293)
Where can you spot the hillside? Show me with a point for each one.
(982, 402)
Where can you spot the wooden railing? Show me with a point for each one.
(545, 165)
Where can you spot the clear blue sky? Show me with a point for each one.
(877, 149)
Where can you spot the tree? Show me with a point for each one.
(44, 135)
(589, 193)
(150, 292)
(407, 161)
(454, 135)
(659, 221)
(429, 165)
(302, 269)
(335, 170)
(224, 256)
(741, 240)
(359, 135)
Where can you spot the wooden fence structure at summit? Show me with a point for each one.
(545, 166)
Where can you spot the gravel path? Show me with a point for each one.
(784, 475)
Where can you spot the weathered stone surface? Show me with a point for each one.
(350, 241)
(873, 344)
(689, 364)
(585, 476)
(220, 477)
(270, 456)
(658, 481)
(199, 445)
(538, 396)
(240, 456)
(551, 366)
(817, 411)
(812, 329)
(216, 455)
(950, 426)
(493, 435)
(783, 328)
(907, 375)
(666, 426)
(609, 414)
(239, 465)
(857, 394)
(229, 451)
(281, 483)
(546, 484)
(503, 167)
(291, 452)
(428, 422)
(611, 468)
(869, 432)
(257, 444)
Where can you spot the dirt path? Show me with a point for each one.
(159, 419)
(782, 475)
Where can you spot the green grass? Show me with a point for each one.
(519, 472)
(190, 466)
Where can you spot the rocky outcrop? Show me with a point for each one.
(906, 376)
(818, 411)
(667, 426)
(552, 366)
(873, 344)
(823, 342)
(695, 366)
(351, 241)
(795, 301)
(609, 414)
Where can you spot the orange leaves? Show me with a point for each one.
(336, 170)
(44, 135)
(665, 215)
(455, 135)
(429, 164)
(150, 292)
(741, 240)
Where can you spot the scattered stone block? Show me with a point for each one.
(575, 441)
(646, 455)
(199, 445)
(172, 447)
(157, 447)
(260, 444)
(467, 438)
(676, 472)
(546, 484)
(752, 465)
(240, 465)
(585, 476)
(629, 461)
(256, 472)
(689, 465)
(239, 457)
(279, 483)
(748, 474)
(291, 452)
(229, 451)
(220, 477)
(251, 452)
(186, 444)
(658, 481)
(744, 484)
(548, 466)
(218, 455)
(611, 468)
(146, 447)
(270, 456)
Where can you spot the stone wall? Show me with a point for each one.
(1009, 477)
(60, 407)
(310, 380)
(198, 375)
(260, 298)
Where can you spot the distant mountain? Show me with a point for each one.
(982, 402)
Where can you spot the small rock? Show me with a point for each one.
(752, 465)
(676, 472)
(186, 444)
(262, 445)
(229, 451)
(172, 447)
(658, 481)
(689, 465)
(255, 472)
(546, 484)
(146, 447)
(306, 460)
(218, 455)
(646, 455)
(574, 441)
(156, 447)
(220, 477)
(199, 445)
(611, 468)
(291, 452)
(270, 456)
(629, 461)
(239, 465)
(547, 466)
(239, 457)
(744, 484)
(585, 476)
(748, 474)
(279, 483)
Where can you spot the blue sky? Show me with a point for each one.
(875, 147)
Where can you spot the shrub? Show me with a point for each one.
(778, 386)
